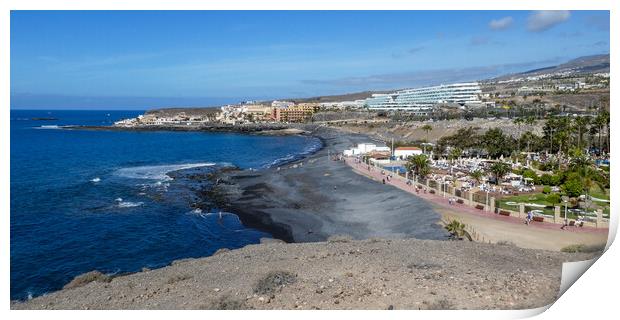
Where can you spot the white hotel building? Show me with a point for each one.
(422, 100)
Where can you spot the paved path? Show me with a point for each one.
(439, 199)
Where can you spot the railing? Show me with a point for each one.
(481, 199)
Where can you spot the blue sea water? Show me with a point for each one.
(102, 200)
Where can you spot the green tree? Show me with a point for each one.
(580, 126)
(531, 141)
(519, 122)
(464, 139)
(428, 128)
(477, 175)
(499, 170)
(553, 198)
(582, 167)
(418, 164)
(573, 187)
(601, 121)
(530, 121)
(496, 143)
(455, 153)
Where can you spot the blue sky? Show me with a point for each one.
(128, 59)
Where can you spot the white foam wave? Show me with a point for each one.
(129, 204)
(96, 179)
(53, 126)
(310, 149)
(157, 172)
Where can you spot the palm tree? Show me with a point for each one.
(581, 126)
(455, 153)
(418, 164)
(600, 121)
(477, 175)
(457, 230)
(519, 122)
(530, 121)
(590, 177)
(499, 169)
(427, 128)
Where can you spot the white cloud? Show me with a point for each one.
(501, 24)
(543, 20)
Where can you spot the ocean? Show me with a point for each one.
(84, 200)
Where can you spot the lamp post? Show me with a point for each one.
(487, 202)
(565, 201)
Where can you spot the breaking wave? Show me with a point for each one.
(312, 148)
(159, 172)
(129, 204)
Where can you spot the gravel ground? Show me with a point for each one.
(337, 274)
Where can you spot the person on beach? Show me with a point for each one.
(528, 218)
(383, 180)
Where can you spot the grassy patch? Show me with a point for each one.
(599, 193)
(536, 198)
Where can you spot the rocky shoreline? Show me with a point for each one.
(260, 128)
(337, 274)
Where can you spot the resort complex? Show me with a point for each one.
(421, 100)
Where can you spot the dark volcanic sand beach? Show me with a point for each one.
(315, 198)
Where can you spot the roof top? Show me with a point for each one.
(408, 148)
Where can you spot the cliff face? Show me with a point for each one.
(338, 274)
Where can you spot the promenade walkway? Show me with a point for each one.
(439, 200)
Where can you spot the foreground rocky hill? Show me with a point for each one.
(337, 274)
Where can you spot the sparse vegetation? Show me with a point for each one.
(274, 281)
(227, 303)
(178, 278)
(574, 248)
(441, 304)
(86, 278)
(457, 230)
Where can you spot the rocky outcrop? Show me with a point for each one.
(343, 274)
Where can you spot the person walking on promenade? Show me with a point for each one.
(528, 218)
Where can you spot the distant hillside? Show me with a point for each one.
(337, 98)
(588, 64)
